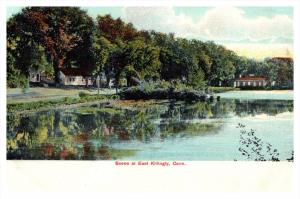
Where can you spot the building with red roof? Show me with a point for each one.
(250, 81)
(283, 59)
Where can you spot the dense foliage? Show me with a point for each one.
(51, 38)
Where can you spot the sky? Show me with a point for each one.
(255, 32)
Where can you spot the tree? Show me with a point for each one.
(281, 71)
(143, 58)
(101, 48)
(63, 32)
(117, 62)
(197, 78)
(174, 58)
(115, 29)
(222, 67)
(52, 38)
(132, 76)
(199, 70)
(21, 59)
(204, 64)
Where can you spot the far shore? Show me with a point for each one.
(267, 91)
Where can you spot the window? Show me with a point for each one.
(244, 83)
(249, 83)
(238, 83)
(254, 83)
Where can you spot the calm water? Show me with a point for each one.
(156, 130)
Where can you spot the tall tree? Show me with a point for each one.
(114, 29)
(117, 62)
(144, 58)
(61, 31)
(101, 49)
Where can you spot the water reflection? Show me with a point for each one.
(88, 133)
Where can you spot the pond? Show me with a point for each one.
(234, 128)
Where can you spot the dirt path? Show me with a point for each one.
(63, 107)
(15, 95)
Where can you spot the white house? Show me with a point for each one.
(75, 77)
(250, 81)
(37, 76)
(34, 76)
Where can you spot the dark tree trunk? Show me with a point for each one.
(117, 81)
(128, 81)
(98, 82)
(100, 79)
(56, 73)
(107, 81)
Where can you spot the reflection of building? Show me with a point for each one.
(250, 81)
(75, 77)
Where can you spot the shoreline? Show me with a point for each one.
(73, 102)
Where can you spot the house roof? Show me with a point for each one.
(76, 72)
(251, 78)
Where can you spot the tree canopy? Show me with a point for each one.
(64, 34)
(51, 38)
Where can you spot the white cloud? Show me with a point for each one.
(161, 19)
(220, 23)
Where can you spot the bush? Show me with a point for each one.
(175, 85)
(162, 84)
(83, 94)
(179, 86)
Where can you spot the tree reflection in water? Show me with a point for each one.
(88, 133)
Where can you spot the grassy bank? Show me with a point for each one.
(36, 105)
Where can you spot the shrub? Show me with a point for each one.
(162, 84)
(83, 94)
(179, 86)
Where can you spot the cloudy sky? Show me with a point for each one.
(256, 32)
